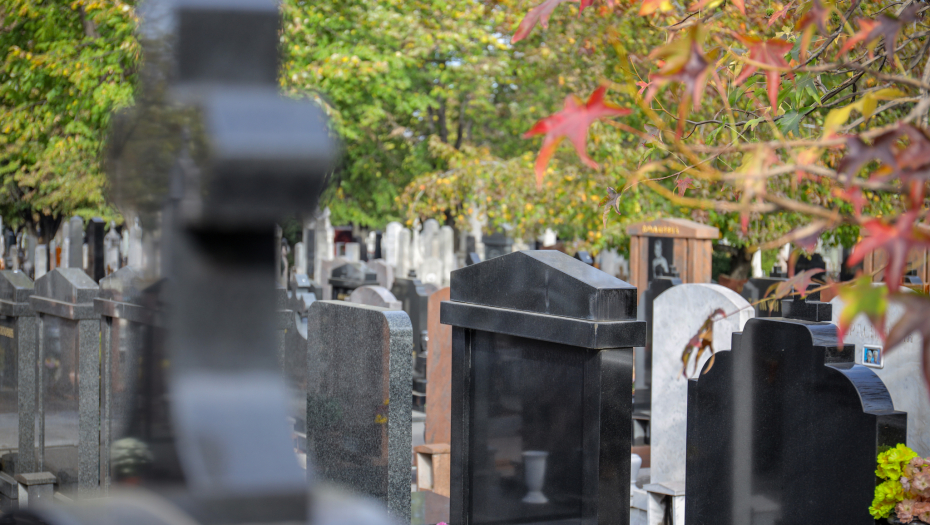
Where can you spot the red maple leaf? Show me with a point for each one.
(682, 185)
(684, 62)
(858, 152)
(896, 239)
(779, 14)
(771, 53)
(540, 14)
(572, 122)
(818, 14)
(853, 196)
(866, 27)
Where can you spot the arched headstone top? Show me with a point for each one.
(123, 285)
(545, 282)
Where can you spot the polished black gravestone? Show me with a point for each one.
(542, 362)
(497, 244)
(95, 246)
(785, 429)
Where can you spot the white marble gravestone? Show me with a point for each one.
(677, 315)
(111, 258)
(135, 244)
(389, 242)
(384, 271)
(375, 296)
(325, 248)
(41, 260)
(447, 253)
(431, 272)
(404, 242)
(300, 258)
(900, 371)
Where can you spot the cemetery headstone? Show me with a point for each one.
(374, 295)
(300, 259)
(447, 252)
(472, 258)
(785, 428)
(350, 276)
(678, 313)
(896, 368)
(18, 372)
(404, 243)
(431, 271)
(41, 260)
(542, 357)
(303, 292)
(415, 301)
(326, 270)
(95, 249)
(75, 243)
(68, 387)
(135, 244)
(384, 271)
(438, 373)
(111, 241)
(122, 321)
(658, 245)
(642, 407)
(325, 249)
(389, 243)
(358, 400)
(353, 251)
(497, 244)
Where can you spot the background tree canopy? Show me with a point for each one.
(66, 66)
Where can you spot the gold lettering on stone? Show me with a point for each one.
(673, 230)
(6, 332)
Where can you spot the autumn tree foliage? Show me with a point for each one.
(66, 66)
(802, 119)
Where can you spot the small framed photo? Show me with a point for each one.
(872, 356)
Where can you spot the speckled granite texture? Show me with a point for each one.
(358, 400)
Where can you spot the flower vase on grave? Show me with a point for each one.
(534, 468)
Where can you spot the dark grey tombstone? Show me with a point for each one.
(123, 321)
(95, 249)
(497, 244)
(414, 299)
(350, 276)
(18, 373)
(75, 255)
(472, 258)
(756, 289)
(69, 385)
(358, 400)
(785, 428)
(542, 365)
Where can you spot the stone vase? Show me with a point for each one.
(534, 467)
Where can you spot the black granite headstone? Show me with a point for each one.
(785, 428)
(541, 379)
(497, 244)
(95, 263)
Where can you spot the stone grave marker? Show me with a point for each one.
(785, 428)
(326, 271)
(122, 323)
(431, 271)
(447, 252)
(18, 371)
(95, 249)
(542, 358)
(678, 313)
(585, 257)
(111, 256)
(374, 295)
(897, 368)
(496, 244)
(348, 277)
(384, 271)
(656, 246)
(358, 400)
(415, 301)
(404, 253)
(438, 373)
(40, 259)
(69, 383)
(74, 242)
(642, 403)
(472, 258)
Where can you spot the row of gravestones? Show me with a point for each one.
(75, 245)
(783, 427)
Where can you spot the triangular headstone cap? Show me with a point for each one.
(545, 282)
(15, 286)
(123, 285)
(68, 285)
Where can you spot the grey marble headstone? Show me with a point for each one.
(63, 299)
(375, 296)
(358, 400)
(677, 315)
(899, 370)
(75, 243)
(18, 344)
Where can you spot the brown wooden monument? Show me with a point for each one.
(656, 246)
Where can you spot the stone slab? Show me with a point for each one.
(438, 373)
